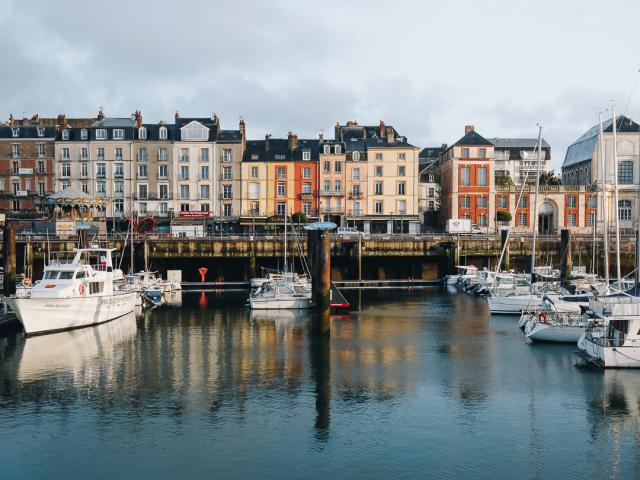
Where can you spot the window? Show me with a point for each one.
(402, 206)
(226, 210)
(163, 155)
(280, 189)
(281, 173)
(163, 133)
(16, 205)
(118, 134)
(163, 191)
(101, 134)
(338, 187)
(379, 206)
(481, 201)
(306, 155)
(15, 150)
(163, 171)
(142, 133)
(27, 185)
(84, 134)
(483, 220)
(101, 170)
(204, 155)
(15, 167)
(15, 131)
(41, 167)
(522, 219)
(465, 201)
(401, 188)
(184, 207)
(184, 191)
(84, 170)
(84, 153)
(306, 209)
(2, 185)
(326, 149)
(591, 219)
(327, 166)
(226, 155)
(227, 193)
(101, 187)
(378, 170)
(255, 156)
(118, 205)
(65, 135)
(482, 176)
(100, 153)
(625, 172)
(184, 172)
(378, 157)
(41, 150)
(142, 191)
(337, 149)
(523, 202)
(142, 170)
(254, 191)
(281, 209)
(204, 192)
(571, 220)
(624, 209)
(85, 186)
(592, 202)
(164, 207)
(432, 192)
(337, 167)
(254, 207)
(278, 156)
(65, 154)
(254, 172)
(482, 152)
(378, 188)
(503, 201)
(118, 169)
(142, 154)
(402, 157)
(184, 154)
(401, 170)
(226, 173)
(118, 153)
(356, 156)
(571, 201)
(306, 172)
(40, 131)
(432, 178)
(465, 176)
(355, 174)
(41, 188)
(143, 208)
(432, 205)
(306, 188)
(118, 187)
(356, 208)
(204, 172)
(327, 186)
(66, 170)
(16, 188)
(465, 153)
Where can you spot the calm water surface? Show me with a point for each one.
(413, 385)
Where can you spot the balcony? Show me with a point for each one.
(116, 174)
(331, 209)
(306, 196)
(203, 178)
(355, 196)
(101, 175)
(226, 177)
(118, 194)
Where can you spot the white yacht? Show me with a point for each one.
(551, 325)
(464, 272)
(76, 291)
(612, 338)
(282, 291)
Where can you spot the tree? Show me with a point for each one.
(503, 216)
(549, 178)
(299, 217)
(503, 179)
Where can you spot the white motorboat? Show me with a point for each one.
(464, 272)
(612, 338)
(76, 291)
(551, 325)
(282, 292)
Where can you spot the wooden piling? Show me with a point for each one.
(565, 255)
(319, 249)
(506, 259)
(83, 238)
(9, 259)
(28, 260)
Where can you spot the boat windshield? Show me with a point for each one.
(51, 275)
(66, 275)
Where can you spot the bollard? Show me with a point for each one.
(319, 252)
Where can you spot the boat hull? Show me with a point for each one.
(44, 315)
(546, 332)
(611, 357)
(514, 304)
(279, 303)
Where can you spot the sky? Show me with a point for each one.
(428, 68)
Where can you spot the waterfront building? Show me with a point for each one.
(333, 183)
(228, 173)
(516, 159)
(389, 200)
(27, 151)
(429, 185)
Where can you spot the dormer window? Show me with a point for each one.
(142, 133)
(280, 157)
(254, 156)
(41, 131)
(327, 149)
(337, 149)
(163, 133)
(101, 134)
(65, 134)
(356, 156)
(15, 131)
(84, 134)
(306, 155)
(118, 134)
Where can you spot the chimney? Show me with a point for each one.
(138, 118)
(381, 130)
(62, 122)
(337, 131)
(293, 141)
(468, 128)
(390, 135)
(177, 115)
(10, 121)
(100, 115)
(215, 119)
(321, 137)
(35, 119)
(266, 142)
(243, 133)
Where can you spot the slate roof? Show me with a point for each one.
(229, 136)
(153, 132)
(428, 153)
(528, 143)
(114, 122)
(27, 132)
(207, 122)
(473, 138)
(279, 150)
(582, 149)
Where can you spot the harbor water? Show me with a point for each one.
(410, 385)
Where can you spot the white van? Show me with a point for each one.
(348, 232)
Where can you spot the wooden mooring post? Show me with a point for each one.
(319, 253)
(504, 244)
(565, 255)
(9, 258)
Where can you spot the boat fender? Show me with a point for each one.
(81, 289)
(542, 317)
(26, 282)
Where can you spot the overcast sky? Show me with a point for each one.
(426, 67)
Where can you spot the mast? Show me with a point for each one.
(285, 242)
(605, 205)
(535, 204)
(615, 189)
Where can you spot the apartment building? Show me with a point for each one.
(390, 203)
(517, 160)
(429, 185)
(333, 184)
(228, 172)
(27, 153)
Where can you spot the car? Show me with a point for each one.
(348, 232)
(475, 229)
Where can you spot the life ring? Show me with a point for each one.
(26, 282)
(81, 289)
(542, 317)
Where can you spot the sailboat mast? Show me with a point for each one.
(535, 203)
(285, 242)
(605, 204)
(615, 186)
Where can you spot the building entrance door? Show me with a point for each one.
(545, 219)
